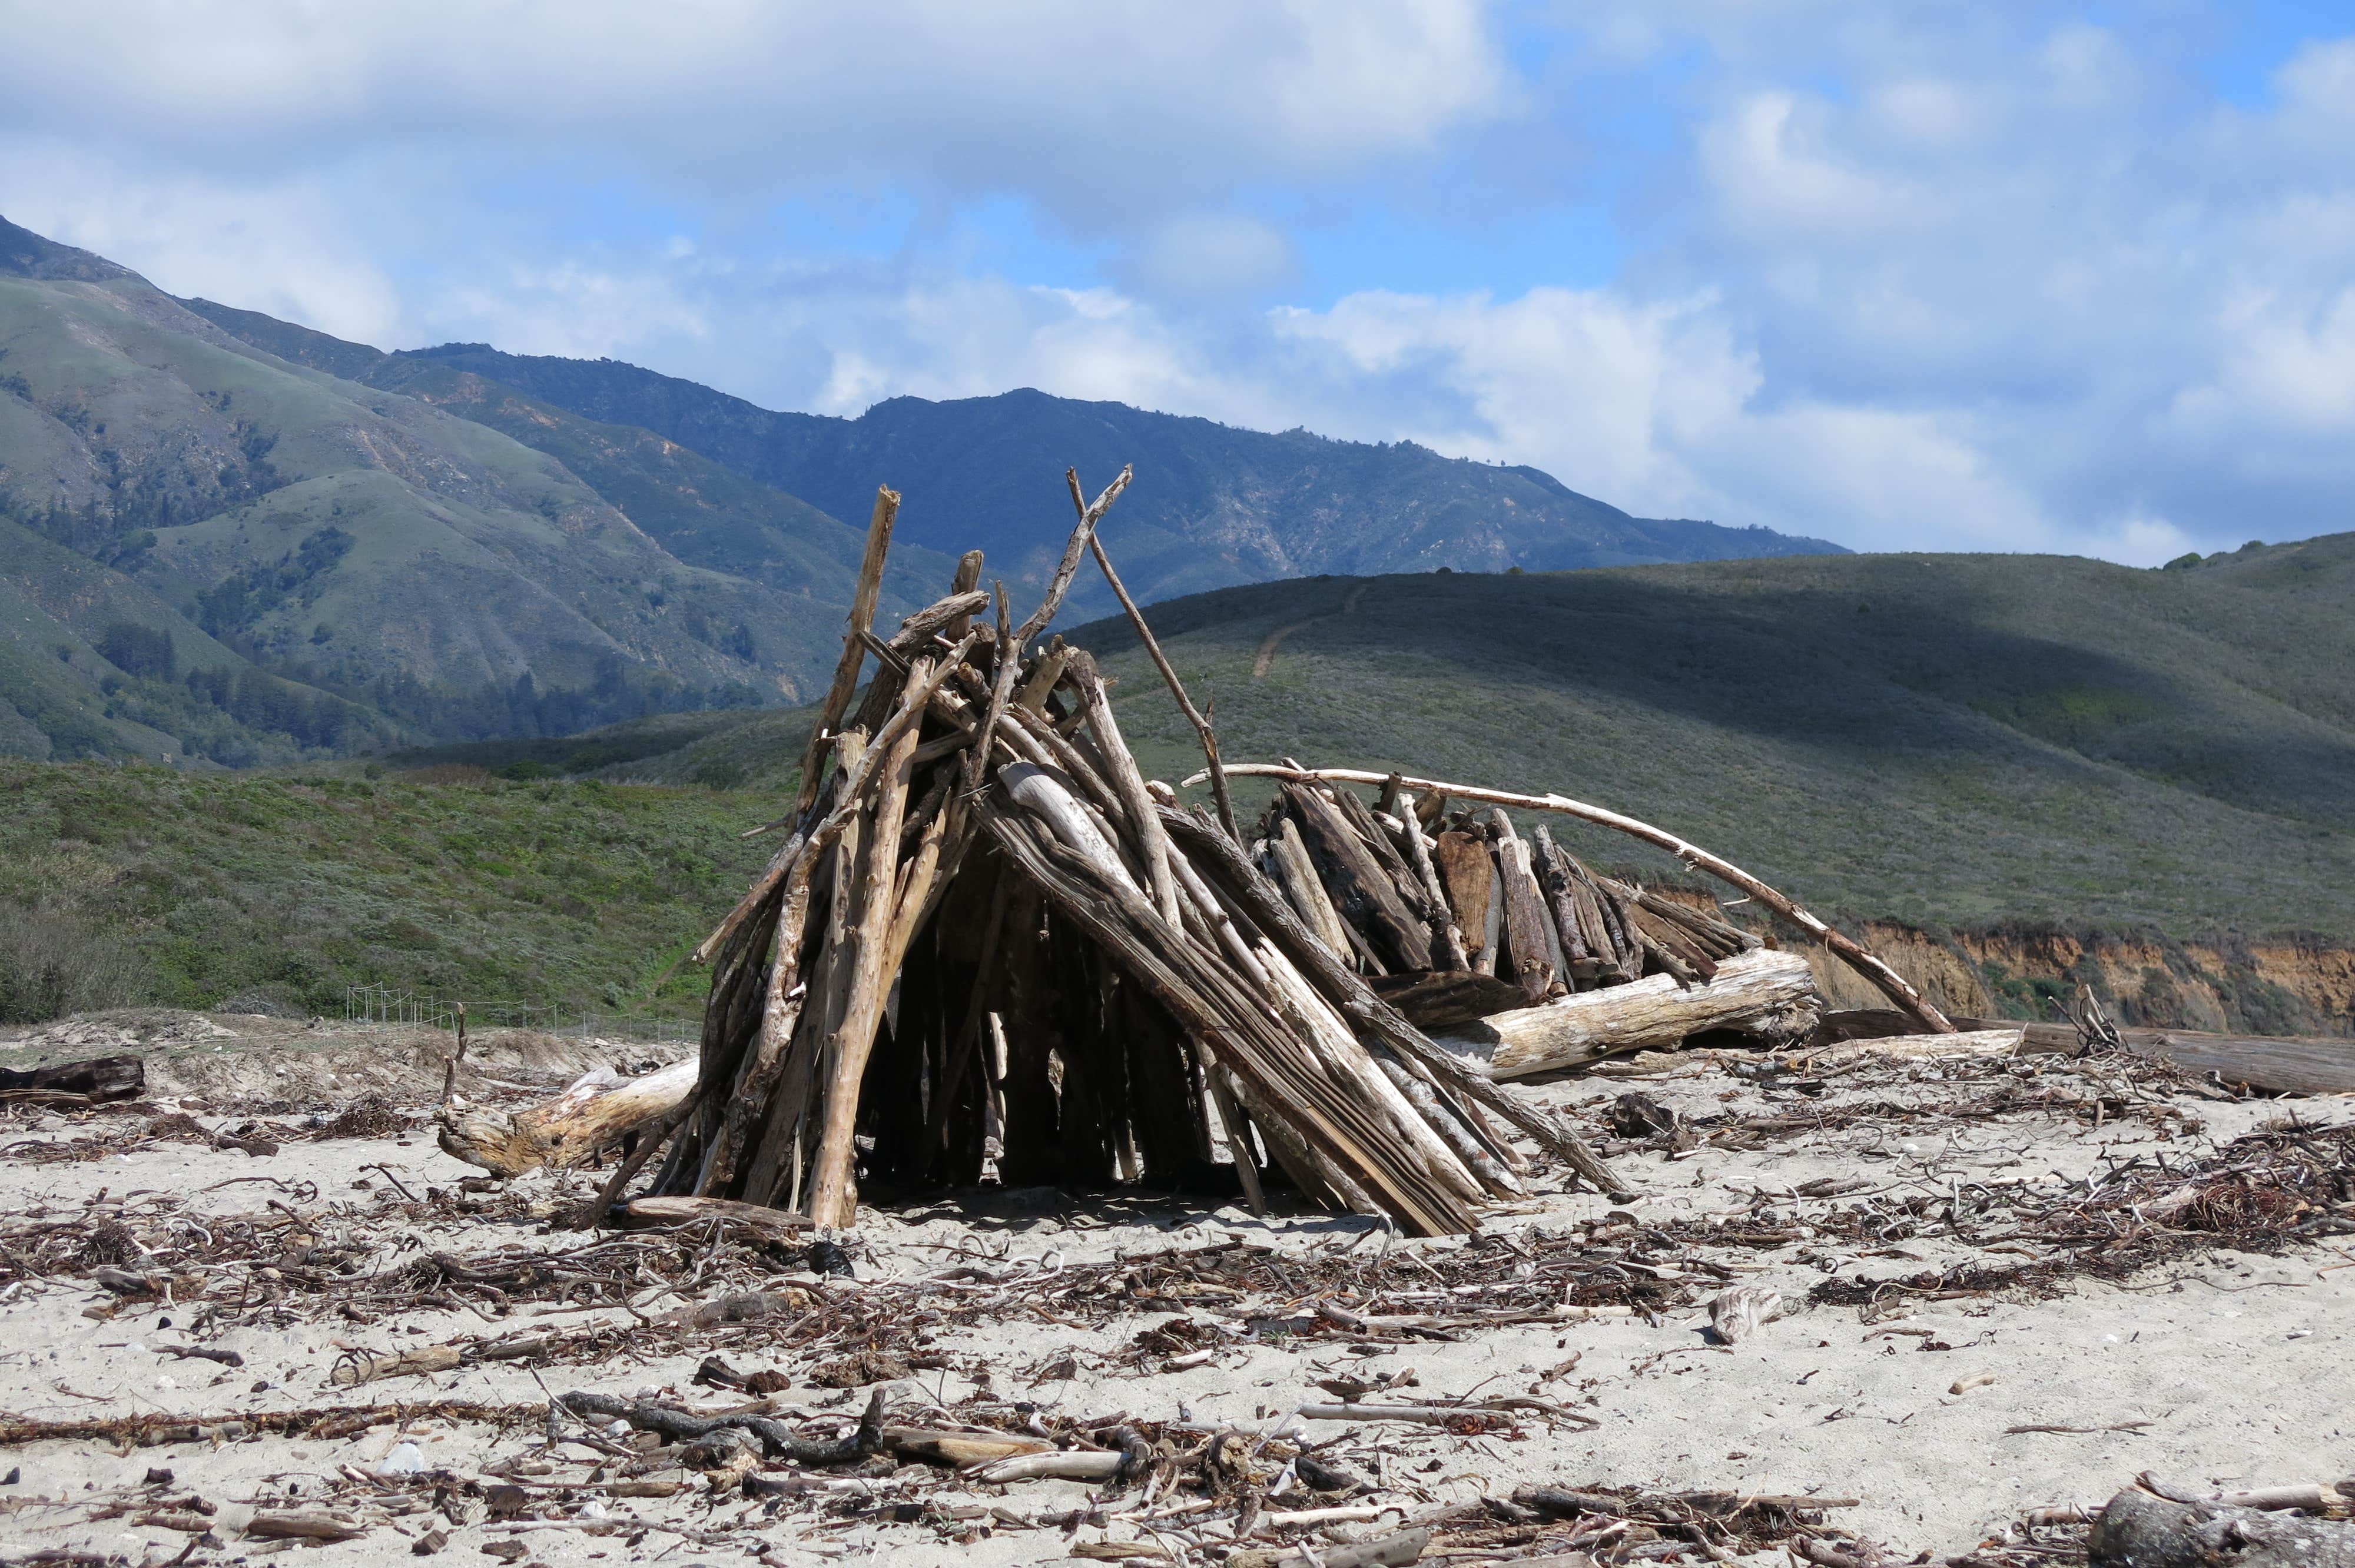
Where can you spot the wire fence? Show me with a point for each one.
(383, 1004)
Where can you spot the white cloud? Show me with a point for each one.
(1213, 255)
(277, 247)
(1658, 407)
(2129, 304)
(1093, 111)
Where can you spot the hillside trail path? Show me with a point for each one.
(1266, 659)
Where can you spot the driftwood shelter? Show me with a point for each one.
(986, 941)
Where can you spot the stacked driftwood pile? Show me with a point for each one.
(985, 941)
(987, 944)
(1511, 947)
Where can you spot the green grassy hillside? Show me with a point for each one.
(95, 663)
(144, 884)
(1952, 740)
(2003, 744)
(434, 556)
(703, 513)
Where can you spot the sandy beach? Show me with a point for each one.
(1941, 1357)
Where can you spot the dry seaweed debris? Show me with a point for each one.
(371, 1115)
(1171, 1490)
(158, 1429)
(2262, 1192)
(735, 1295)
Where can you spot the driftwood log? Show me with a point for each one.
(2137, 1530)
(854, 653)
(94, 1082)
(1469, 878)
(650, 1213)
(597, 1112)
(1397, 1551)
(1530, 940)
(1764, 994)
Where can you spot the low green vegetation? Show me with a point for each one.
(143, 884)
(1985, 744)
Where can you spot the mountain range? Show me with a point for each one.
(1213, 506)
(228, 539)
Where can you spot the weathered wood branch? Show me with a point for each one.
(1468, 877)
(865, 942)
(1447, 935)
(599, 1109)
(1127, 782)
(1194, 715)
(1529, 930)
(1298, 879)
(854, 649)
(94, 1082)
(1009, 653)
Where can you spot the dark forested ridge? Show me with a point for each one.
(1213, 505)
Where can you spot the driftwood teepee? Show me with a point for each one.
(988, 938)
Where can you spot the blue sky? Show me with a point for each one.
(2010, 277)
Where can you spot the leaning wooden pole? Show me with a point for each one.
(1010, 653)
(1889, 982)
(1194, 715)
(854, 646)
(867, 942)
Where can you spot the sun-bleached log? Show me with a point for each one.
(1765, 992)
(595, 1113)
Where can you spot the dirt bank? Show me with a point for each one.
(2269, 987)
